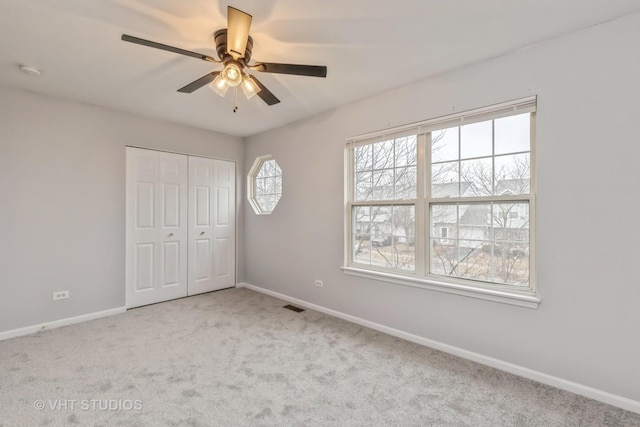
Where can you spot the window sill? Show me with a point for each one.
(519, 298)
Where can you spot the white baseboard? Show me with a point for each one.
(592, 393)
(58, 323)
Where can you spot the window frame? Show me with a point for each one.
(251, 184)
(525, 296)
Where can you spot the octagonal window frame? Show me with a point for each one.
(252, 194)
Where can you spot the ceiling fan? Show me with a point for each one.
(234, 46)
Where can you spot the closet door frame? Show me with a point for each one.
(231, 276)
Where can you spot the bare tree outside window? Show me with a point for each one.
(385, 172)
(265, 185)
(472, 206)
(489, 241)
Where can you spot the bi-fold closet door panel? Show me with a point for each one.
(156, 230)
(211, 225)
(224, 231)
(180, 232)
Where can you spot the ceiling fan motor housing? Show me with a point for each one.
(220, 38)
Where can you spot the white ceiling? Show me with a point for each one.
(369, 46)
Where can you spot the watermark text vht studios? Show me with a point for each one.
(88, 405)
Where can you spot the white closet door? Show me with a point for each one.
(156, 235)
(211, 225)
(224, 220)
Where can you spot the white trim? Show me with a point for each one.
(550, 380)
(420, 226)
(58, 323)
(524, 298)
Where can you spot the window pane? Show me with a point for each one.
(361, 234)
(278, 184)
(381, 217)
(498, 262)
(267, 185)
(511, 263)
(361, 217)
(513, 174)
(270, 187)
(383, 184)
(267, 168)
(474, 221)
(403, 237)
(383, 155)
(473, 262)
(405, 185)
(386, 170)
(476, 177)
(384, 236)
(363, 186)
(406, 151)
(484, 241)
(260, 185)
(267, 203)
(512, 134)
(381, 220)
(363, 158)
(362, 249)
(444, 217)
(444, 257)
(476, 140)
(444, 145)
(404, 225)
(511, 221)
(444, 180)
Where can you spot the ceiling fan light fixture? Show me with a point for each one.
(234, 46)
(249, 86)
(219, 85)
(232, 73)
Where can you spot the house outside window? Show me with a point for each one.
(447, 203)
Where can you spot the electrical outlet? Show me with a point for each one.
(60, 295)
(319, 283)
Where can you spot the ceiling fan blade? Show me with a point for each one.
(299, 70)
(238, 25)
(193, 86)
(265, 94)
(143, 42)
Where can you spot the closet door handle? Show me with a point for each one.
(170, 234)
(202, 233)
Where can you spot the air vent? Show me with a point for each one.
(293, 308)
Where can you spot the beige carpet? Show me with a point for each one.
(237, 358)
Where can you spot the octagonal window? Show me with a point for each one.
(265, 185)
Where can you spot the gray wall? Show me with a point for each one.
(62, 201)
(586, 329)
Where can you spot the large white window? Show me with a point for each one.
(447, 204)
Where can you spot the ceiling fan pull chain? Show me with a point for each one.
(235, 108)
